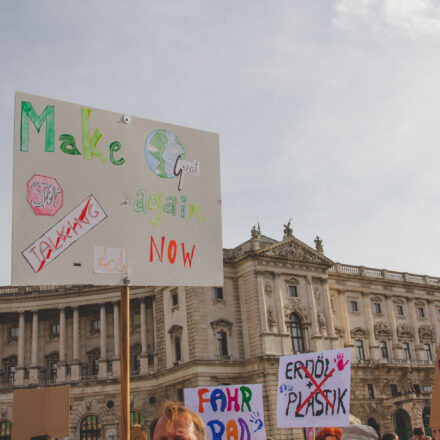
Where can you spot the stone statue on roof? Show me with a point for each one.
(288, 230)
(318, 245)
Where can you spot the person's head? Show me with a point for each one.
(389, 436)
(174, 420)
(419, 433)
(43, 437)
(329, 434)
(435, 433)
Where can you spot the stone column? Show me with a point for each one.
(345, 322)
(328, 312)
(286, 344)
(20, 370)
(433, 321)
(75, 369)
(374, 346)
(116, 341)
(316, 346)
(61, 370)
(34, 368)
(419, 352)
(392, 322)
(144, 354)
(262, 302)
(102, 373)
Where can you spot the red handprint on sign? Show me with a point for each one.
(339, 359)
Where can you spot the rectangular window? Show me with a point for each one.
(354, 306)
(53, 369)
(377, 308)
(13, 332)
(370, 391)
(178, 351)
(174, 298)
(416, 388)
(95, 325)
(54, 329)
(393, 389)
(406, 350)
(95, 366)
(11, 374)
(222, 344)
(218, 292)
(136, 362)
(420, 312)
(180, 395)
(384, 349)
(293, 293)
(428, 352)
(399, 310)
(360, 349)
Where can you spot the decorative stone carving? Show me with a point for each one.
(321, 321)
(271, 321)
(405, 330)
(382, 329)
(426, 332)
(317, 292)
(254, 233)
(268, 288)
(221, 324)
(295, 306)
(318, 245)
(175, 330)
(359, 332)
(288, 230)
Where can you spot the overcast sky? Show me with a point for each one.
(328, 111)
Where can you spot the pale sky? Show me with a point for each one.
(328, 111)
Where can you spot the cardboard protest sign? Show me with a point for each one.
(314, 389)
(41, 411)
(229, 411)
(434, 421)
(148, 192)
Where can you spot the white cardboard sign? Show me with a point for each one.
(156, 187)
(314, 389)
(230, 411)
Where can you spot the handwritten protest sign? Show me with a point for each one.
(232, 411)
(148, 188)
(314, 389)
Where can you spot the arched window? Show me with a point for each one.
(136, 418)
(402, 424)
(296, 334)
(90, 428)
(5, 430)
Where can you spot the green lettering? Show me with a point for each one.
(246, 394)
(48, 116)
(155, 202)
(114, 147)
(68, 141)
(193, 209)
(170, 208)
(139, 204)
(89, 145)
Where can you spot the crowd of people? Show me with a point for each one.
(175, 421)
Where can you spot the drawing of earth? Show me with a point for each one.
(161, 150)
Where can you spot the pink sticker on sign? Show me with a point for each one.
(45, 195)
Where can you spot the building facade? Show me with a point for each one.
(277, 298)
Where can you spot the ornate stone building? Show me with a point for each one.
(277, 298)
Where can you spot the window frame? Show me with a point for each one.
(420, 312)
(377, 308)
(406, 347)
(360, 349)
(293, 291)
(217, 293)
(297, 333)
(222, 344)
(384, 349)
(353, 305)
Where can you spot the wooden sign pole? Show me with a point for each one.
(125, 363)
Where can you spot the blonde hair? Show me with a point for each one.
(172, 411)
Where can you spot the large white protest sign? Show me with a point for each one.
(98, 196)
(230, 411)
(314, 389)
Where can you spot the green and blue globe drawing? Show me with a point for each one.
(162, 148)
